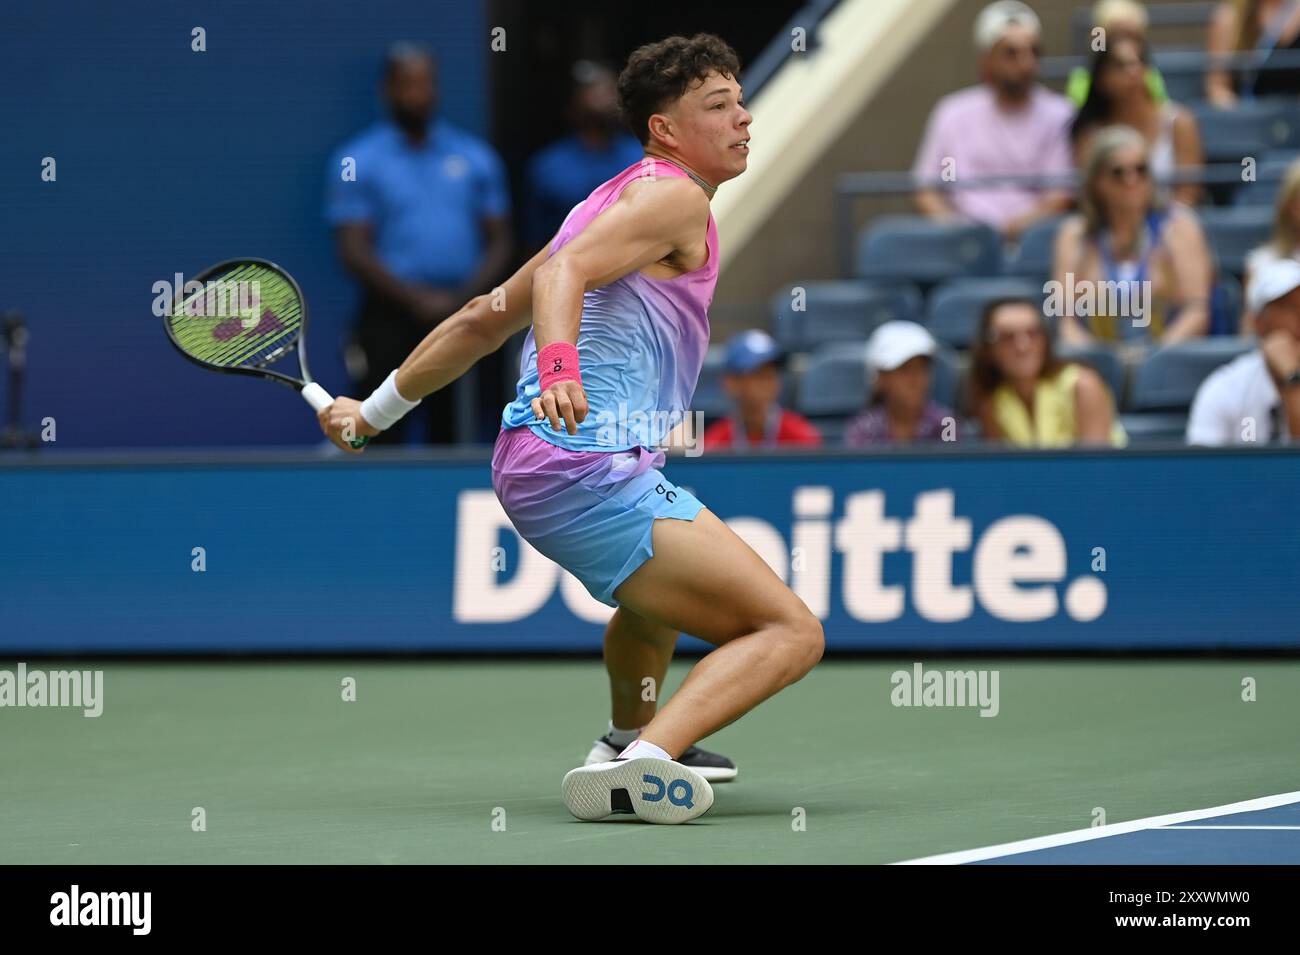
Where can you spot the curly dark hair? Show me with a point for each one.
(658, 73)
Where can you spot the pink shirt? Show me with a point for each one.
(981, 139)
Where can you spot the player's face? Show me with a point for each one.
(711, 128)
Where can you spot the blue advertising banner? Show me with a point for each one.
(991, 551)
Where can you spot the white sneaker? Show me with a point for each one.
(655, 790)
(714, 767)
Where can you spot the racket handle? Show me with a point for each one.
(320, 399)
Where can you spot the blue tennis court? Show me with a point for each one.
(1263, 831)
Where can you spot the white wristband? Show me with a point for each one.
(386, 406)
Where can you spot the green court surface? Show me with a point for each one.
(414, 770)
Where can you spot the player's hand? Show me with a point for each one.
(1281, 353)
(342, 423)
(563, 401)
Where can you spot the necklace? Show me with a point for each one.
(708, 190)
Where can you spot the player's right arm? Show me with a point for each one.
(663, 220)
(478, 328)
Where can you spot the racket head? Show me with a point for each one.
(248, 314)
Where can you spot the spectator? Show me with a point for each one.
(900, 410)
(1125, 248)
(1025, 395)
(1252, 26)
(423, 227)
(1256, 397)
(1116, 19)
(1119, 95)
(1008, 125)
(1284, 244)
(565, 172)
(752, 379)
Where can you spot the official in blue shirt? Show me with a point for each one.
(420, 210)
(565, 172)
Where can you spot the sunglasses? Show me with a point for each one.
(1121, 173)
(1015, 334)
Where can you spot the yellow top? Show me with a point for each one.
(1052, 423)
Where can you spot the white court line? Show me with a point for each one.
(1177, 828)
(1102, 832)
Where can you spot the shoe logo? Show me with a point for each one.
(679, 791)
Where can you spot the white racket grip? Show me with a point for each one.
(316, 396)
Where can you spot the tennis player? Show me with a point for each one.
(618, 306)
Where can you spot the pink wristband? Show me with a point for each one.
(558, 361)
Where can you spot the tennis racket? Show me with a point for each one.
(248, 314)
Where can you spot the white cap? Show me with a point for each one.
(1273, 281)
(895, 343)
(994, 19)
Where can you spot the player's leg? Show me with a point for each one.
(636, 650)
(704, 580)
(637, 654)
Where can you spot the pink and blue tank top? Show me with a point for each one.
(641, 342)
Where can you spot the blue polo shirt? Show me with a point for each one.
(425, 203)
(565, 173)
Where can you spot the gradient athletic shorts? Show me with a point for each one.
(589, 511)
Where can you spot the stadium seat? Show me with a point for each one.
(1101, 358)
(1225, 305)
(1033, 257)
(953, 309)
(920, 250)
(835, 381)
(1168, 378)
(1154, 427)
(841, 311)
(945, 377)
(1182, 85)
(1268, 183)
(1234, 231)
(1250, 128)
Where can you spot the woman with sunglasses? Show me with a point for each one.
(1131, 269)
(1119, 94)
(1022, 393)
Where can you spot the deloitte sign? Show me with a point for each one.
(1018, 563)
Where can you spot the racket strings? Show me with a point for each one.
(248, 316)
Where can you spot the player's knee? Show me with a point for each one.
(803, 642)
(811, 641)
